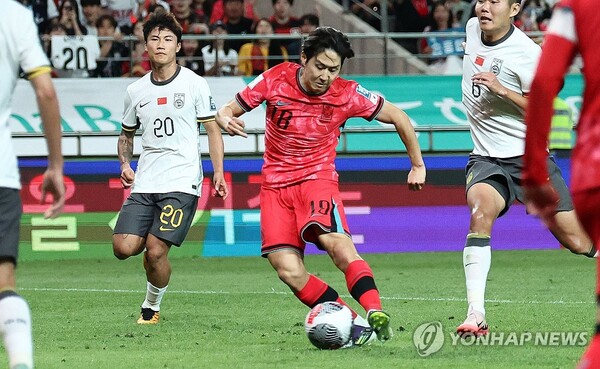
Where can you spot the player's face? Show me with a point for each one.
(162, 46)
(320, 71)
(495, 17)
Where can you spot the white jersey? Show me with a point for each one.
(169, 113)
(497, 124)
(19, 47)
(75, 52)
(229, 62)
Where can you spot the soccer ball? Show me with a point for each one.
(328, 325)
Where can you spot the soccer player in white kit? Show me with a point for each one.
(168, 104)
(498, 67)
(20, 47)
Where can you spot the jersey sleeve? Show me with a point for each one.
(255, 93)
(527, 67)
(32, 58)
(130, 121)
(205, 104)
(363, 103)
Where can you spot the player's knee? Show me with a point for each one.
(124, 247)
(291, 276)
(482, 220)
(119, 252)
(154, 255)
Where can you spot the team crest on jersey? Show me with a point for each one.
(496, 66)
(366, 93)
(327, 112)
(179, 101)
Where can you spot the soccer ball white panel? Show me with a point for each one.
(328, 325)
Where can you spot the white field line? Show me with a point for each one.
(273, 292)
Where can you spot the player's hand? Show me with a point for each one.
(489, 80)
(416, 178)
(541, 200)
(53, 183)
(127, 176)
(221, 189)
(234, 126)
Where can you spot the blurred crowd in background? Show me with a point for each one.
(110, 40)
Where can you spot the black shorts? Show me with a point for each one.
(167, 216)
(504, 174)
(10, 222)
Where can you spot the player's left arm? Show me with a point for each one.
(560, 48)
(216, 150)
(53, 182)
(391, 114)
(490, 80)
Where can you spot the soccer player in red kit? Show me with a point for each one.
(573, 30)
(307, 106)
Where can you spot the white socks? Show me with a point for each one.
(15, 327)
(477, 258)
(154, 296)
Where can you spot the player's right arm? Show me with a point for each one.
(125, 152)
(249, 98)
(227, 119)
(125, 143)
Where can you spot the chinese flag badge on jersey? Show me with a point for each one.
(161, 101)
(479, 60)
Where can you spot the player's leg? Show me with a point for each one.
(15, 317)
(586, 205)
(321, 216)
(283, 246)
(158, 274)
(360, 283)
(174, 213)
(133, 223)
(487, 197)
(567, 228)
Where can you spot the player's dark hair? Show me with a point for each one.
(289, 1)
(324, 38)
(163, 20)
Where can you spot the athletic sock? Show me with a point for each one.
(154, 296)
(361, 284)
(316, 291)
(15, 326)
(477, 258)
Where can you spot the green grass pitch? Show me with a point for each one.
(235, 313)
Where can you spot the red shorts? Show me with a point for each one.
(293, 215)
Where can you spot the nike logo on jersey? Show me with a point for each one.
(282, 103)
(144, 104)
(164, 229)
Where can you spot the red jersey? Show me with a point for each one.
(290, 27)
(573, 30)
(302, 130)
